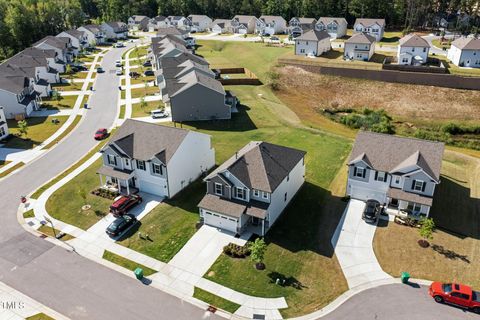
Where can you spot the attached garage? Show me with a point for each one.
(366, 194)
(158, 188)
(220, 221)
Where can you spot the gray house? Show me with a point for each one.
(138, 23)
(94, 34)
(78, 39)
(62, 45)
(399, 172)
(250, 190)
(298, 26)
(194, 97)
(17, 94)
(54, 61)
(115, 30)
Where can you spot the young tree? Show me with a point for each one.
(143, 103)
(258, 248)
(83, 194)
(23, 127)
(426, 231)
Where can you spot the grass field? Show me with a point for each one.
(47, 230)
(11, 169)
(74, 86)
(39, 316)
(138, 52)
(215, 301)
(127, 264)
(141, 92)
(64, 133)
(65, 102)
(39, 129)
(137, 111)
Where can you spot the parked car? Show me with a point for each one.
(119, 72)
(119, 45)
(147, 63)
(371, 211)
(275, 38)
(76, 68)
(457, 294)
(149, 73)
(101, 134)
(159, 114)
(118, 63)
(122, 204)
(134, 74)
(100, 70)
(120, 225)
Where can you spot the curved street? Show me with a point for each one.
(66, 282)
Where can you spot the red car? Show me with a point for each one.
(101, 134)
(122, 204)
(457, 294)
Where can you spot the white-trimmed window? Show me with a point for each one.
(418, 185)
(112, 160)
(256, 193)
(240, 193)
(264, 195)
(157, 169)
(359, 172)
(381, 176)
(2, 131)
(141, 165)
(127, 162)
(397, 180)
(218, 189)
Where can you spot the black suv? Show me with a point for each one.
(372, 211)
(121, 224)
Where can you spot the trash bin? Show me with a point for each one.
(85, 105)
(405, 277)
(139, 273)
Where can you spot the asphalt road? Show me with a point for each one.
(66, 282)
(397, 302)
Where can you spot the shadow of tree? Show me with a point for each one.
(450, 254)
(100, 213)
(285, 281)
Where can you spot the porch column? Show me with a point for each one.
(263, 227)
(128, 187)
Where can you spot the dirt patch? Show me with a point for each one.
(304, 90)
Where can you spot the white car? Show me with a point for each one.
(119, 72)
(119, 45)
(156, 114)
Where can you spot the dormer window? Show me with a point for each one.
(359, 172)
(418, 185)
(381, 176)
(112, 160)
(256, 193)
(264, 195)
(218, 189)
(240, 193)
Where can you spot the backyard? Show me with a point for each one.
(141, 92)
(39, 130)
(64, 102)
(138, 111)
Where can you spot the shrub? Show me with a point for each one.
(235, 251)
(376, 121)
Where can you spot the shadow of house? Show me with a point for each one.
(454, 210)
(309, 222)
(240, 122)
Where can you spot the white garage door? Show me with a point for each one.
(242, 31)
(158, 189)
(366, 194)
(220, 221)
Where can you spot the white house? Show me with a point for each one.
(179, 22)
(62, 45)
(399, 172)
(156, 23)
(3, 125)
(312, 43)
(271, 25)
(115, 30)
(17, 94)
(412, 50)
(335, 27)
(221, 26)
(298, 26)
(199, 23)
(251, 189)
(78, 39)
(360, 46)
(155, 159)
(94, 33)
(465, 52)
(138, 23)
(244, 24)
(374, 27)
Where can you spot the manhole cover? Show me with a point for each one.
(259, 316)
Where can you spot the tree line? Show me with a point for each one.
(22, 22)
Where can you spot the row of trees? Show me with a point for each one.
(23, 22)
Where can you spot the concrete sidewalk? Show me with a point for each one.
(352, 241)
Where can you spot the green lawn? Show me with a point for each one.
(28, 214)
(39, 129)
(127, 264)
(138, 112)
(121, 115)
(142, 79)
(74, 86)
(47, 230)
(64, 133)
(141, 92)
(65, 102)
(65, 204)
(169, 226)
(39, 316)
(215, 301)
(11, 169)
(391, 38)
(138, 52)
(88, 58)
(439, 44)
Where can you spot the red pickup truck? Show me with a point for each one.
(457, 294)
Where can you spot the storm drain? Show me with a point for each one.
(258, 316)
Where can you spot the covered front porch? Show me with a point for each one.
(116, 180)
(408, 204)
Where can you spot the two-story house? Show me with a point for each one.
(199, 23)
(155, 159)
(115, 30)
(244, 24)
(312, 43)
(251, 189)
(465, 52)
(270, 25)
(335, 27)
(399, 172)
(373, 27)
(412, 50)
(3, 125)
(54, 61)
(220, 26)
(138, 23)
(162, 47)
(94, 33)
(78, 39)
(298, 26)
(17, 94)
(157, 23)
(179, 22)
(360, 46)
(62, 45)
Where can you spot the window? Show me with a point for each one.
(414, 207)
(397, 179)
(256, 193)
(413, 49)
(264, 195)
(127, 162)
(218, 189)
(2, 131)
(405, 60)
(424, 49)
(381, 176)
(157, 169)
(302, 50)
(240, 193)
(418, 185)
(359, 172)
(288, 178)
(141, 165)
(112, 160)
(285, 197)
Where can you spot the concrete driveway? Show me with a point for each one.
(352, 241)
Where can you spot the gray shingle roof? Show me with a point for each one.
(361, 38)
(75, 33)
(117, 26)
(56, 42)
(261, 165)
(234, 208)
(271, 19)
(172, 31)
(327, 20)
(413, 40)
(177, 86)
(38, 52)
(243, 19)
(314, 35)
(392, 153)
(368, 22)
(139, 19)
(13, 83)
(408, 196)
(145, 141)
(467, 43)
(93, 28)
(197, 17)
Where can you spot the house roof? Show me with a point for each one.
(392, 153)
(56, 42)
(159, 18)
(243, 19)
(74, 33)
(467, 43)
(145, 141)
(413, 40)
(234, 208)
(197, 17)
(175, 18)
(115, 172)
(14, 83)
(188, 56)
(408, 196)
(21, 64)
(327, 20)
(93, 28)
(270, 19)
(177, 86)
(314, 35)
(173, 66)
(117, 26)
(361, 38)
(38, 52)
(139, 19)
(305, 20)
(368, 22)
(221, 22)
(261, 165)
(172, 31)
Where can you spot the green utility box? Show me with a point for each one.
(139, 273)
(405, 277)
